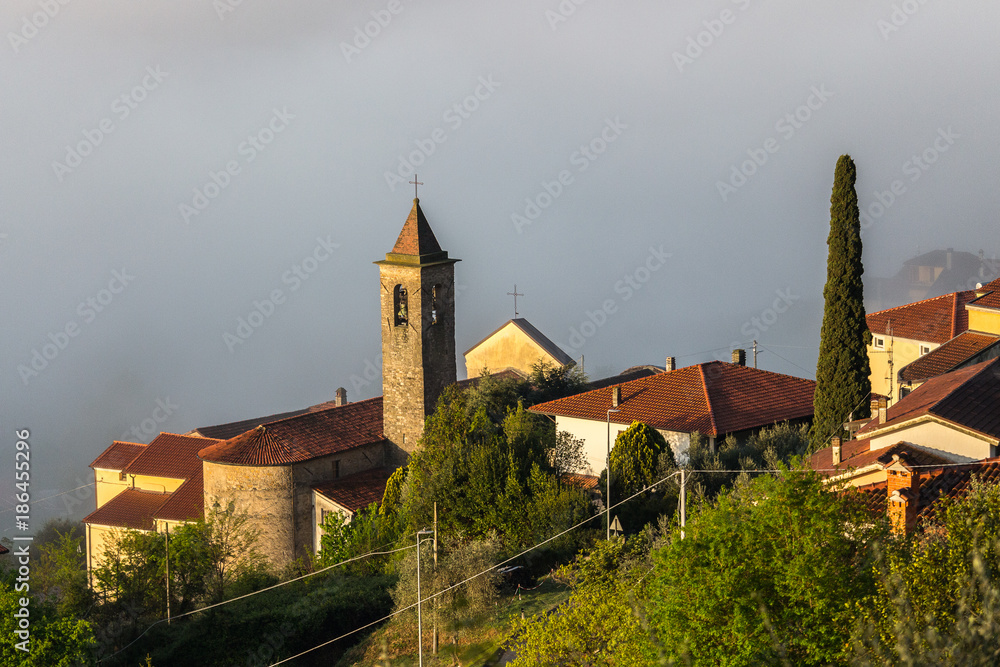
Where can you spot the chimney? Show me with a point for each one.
(947, 258)
(903, 488)
(341, 397)
(671, 364)
(740, 357)
(874, 405)
(835, 444)
(616, 395)
(883, 408)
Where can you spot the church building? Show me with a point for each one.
(288, 470)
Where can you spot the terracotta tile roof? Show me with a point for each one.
(627, 375)
(416, 237)
(991, 301)
(233, 429)
(131, 508)
(585, 482)
(3, 550)
(857, 454)
(935, 320)
(873, 497)
(118, 455)
(953, 482)
(535, 335)
(187, 503)
(713, 398)
(948, 357)
(356, 491)
(169, 455)
(968, 397)
(304, 437)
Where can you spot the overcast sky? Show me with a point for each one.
(653, 176)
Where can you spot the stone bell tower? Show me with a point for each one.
(418, 330)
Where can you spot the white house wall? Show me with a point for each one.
(938, 438)
(595, 440)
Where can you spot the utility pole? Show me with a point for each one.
(420, 624)
(683, 503)
(434, 636)
(166, 542)
(608, 499)
(755, 354)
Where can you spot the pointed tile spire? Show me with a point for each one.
(416, 238)
(416, 243)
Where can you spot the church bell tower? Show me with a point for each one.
(418, 331)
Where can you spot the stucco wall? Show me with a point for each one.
(508, 348)
(987, 321)
(904, 351)
(940, 439)
(595, 440)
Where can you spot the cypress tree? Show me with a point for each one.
(842, 370)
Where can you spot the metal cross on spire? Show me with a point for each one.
(415, 183)
(515, 294)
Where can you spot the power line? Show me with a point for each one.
(263, 590)
(51, 497)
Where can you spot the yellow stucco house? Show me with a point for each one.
(920, 340)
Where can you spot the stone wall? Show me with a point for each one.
(418, 357)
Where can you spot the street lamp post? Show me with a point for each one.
(420, 627)
(608, 499)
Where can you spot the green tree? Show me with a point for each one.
(937, 595)
(636, 458)
(767, 574)
(600, 624)
(842, 370)
(53, 640)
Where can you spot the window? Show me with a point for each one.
(435, 309)
(121, 475)
(878, 342)
(335, 468)
(399, 309)
(924, 349)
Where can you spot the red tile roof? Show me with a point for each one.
(169, 455)
(949, 356)
(953, 482)
(118, 455)
(295, 439)
(713, 398)
(416, 237)
(991, 301)
(935, 320)
(3, 550)
(967, 397)
(132, 508)
(857, 454)
(356, 491)
(585, 482)
(187, 503)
